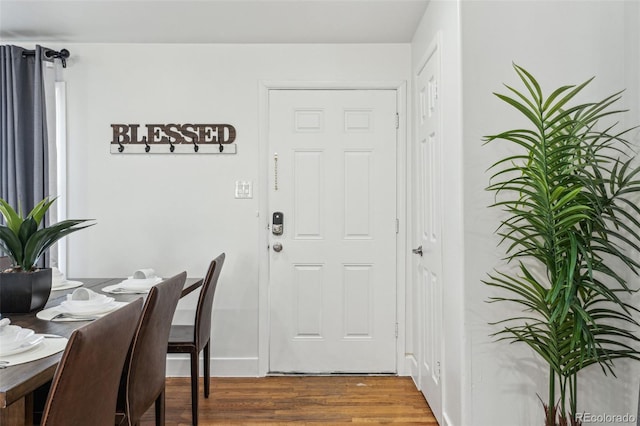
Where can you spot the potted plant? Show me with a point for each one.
(569, 228)
(24, 287)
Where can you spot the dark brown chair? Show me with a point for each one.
(194, 338)
(143, 376)
(85, 386)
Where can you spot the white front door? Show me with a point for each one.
(429, 225)
(332, 286)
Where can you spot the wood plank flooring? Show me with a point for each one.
(285, 400)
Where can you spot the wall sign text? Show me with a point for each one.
(168, 138)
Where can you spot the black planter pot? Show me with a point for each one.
(22, 292)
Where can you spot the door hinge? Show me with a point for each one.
(397, 226)
(396, 330)
(397, 120)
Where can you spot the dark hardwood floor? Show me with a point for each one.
(329, 400)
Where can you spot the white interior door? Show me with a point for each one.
(429, 218)
(332, 286)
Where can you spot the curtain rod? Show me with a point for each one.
(63, 55)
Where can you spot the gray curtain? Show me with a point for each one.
(23, 128)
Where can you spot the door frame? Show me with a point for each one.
(402, 174)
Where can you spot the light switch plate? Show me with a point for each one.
(244, 189)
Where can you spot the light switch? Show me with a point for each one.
(244, 189)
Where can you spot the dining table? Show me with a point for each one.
(18, 382)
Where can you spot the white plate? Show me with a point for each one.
(99, 300)
(31, 343)
(66, 285)
(49, 313)
(93, 310)
(140, 284)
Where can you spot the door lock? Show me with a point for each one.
(277, 223)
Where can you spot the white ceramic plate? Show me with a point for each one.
(29, 344)
(143, 284)
(87, 304)
(92, 310)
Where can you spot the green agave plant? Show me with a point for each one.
(570, 228)
(21, 239)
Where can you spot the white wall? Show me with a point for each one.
(176, 212)
(559, 42)
(441, 20)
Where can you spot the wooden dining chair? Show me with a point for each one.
(143, 377)
(85, 385)
(192, 339)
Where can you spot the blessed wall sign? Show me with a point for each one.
(173, 138)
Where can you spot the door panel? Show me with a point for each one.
(332, 287)
(308, 199)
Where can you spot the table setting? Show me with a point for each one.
(20, 345)
(59, 281)
(140, 282)
(82, 304)
(23, 372)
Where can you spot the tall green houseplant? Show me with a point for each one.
(570, 226)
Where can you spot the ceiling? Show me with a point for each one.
(211, 21)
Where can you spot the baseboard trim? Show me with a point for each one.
(178, 366)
